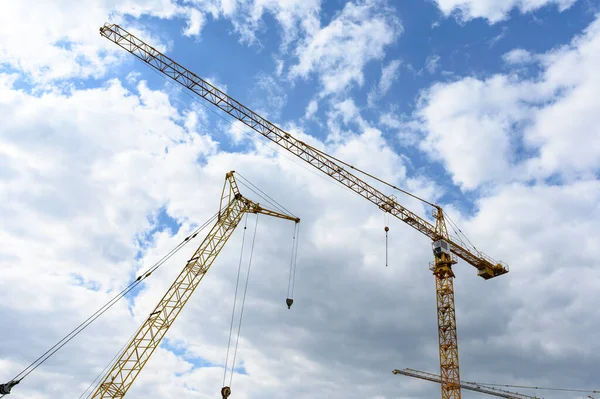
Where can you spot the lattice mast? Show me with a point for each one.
(124, 371)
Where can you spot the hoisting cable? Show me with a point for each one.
(460, 233)
(243, 302)
(97, 380)
(368, 174)
(290, 293)
(272, 203)
(266, 144)
(295, 258)
(237, 283)
(6, 388)
(386, 219)
(265, 196)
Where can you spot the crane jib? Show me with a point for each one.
(486, 266)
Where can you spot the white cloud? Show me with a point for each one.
(70, 46)
(82, 172)
(270, 97)
(518, 56)
(195, 23)
(339, 51)
(295, 17)
(476, 127)
(311, 108)
(466, 125)
(495, 10)
(389, 74)
(432, 63)
(238, 132)
(498, 37)
(278, 67)
(215, 82)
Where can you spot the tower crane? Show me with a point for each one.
(446, 249)
(233, 206)
(471, 386)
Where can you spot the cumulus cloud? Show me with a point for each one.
(296, 18)
(87, 174)
(389, 74)
(311, 108)
(518, 56)
(79, 199)
(339, 51)
(478, 127)
(432, 63)
(69, 46)
(495, 10)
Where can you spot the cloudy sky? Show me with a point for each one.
(488, 107)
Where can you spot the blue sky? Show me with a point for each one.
(430, 48)
(488, 107)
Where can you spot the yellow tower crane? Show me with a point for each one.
(446, 248)
(232, 208)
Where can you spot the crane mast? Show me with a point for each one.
(471, 386)
(131, 361)
(446, 248)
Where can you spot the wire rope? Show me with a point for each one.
(280, 209)
(98, 378)
(292, 261)
(461, 233)
(243, 302)
(237, 283)
(539, 388)
(274, 202)
(266, 144)
(295, 257)
(83, 325)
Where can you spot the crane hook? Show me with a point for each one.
(386, 244)
(225, 392)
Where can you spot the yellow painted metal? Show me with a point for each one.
(125, 370)
(318, 159)
(447, 336)
(334, 168)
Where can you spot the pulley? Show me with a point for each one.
(289, 302)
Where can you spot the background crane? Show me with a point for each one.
(131, 361)
(471, 386)
(446, 248)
